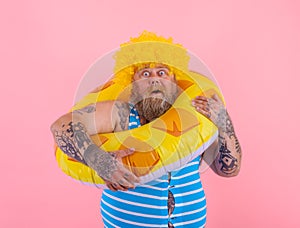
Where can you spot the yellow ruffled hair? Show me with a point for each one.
(149, 49)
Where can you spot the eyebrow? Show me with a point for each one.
(160, 67)
(149, 68)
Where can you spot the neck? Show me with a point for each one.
(143, 120)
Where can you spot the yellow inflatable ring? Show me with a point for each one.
(163, 145)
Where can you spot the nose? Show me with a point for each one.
(154, 81)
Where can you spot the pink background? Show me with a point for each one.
(253, 49)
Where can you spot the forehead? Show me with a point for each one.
(151, 66)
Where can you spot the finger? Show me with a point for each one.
(125, 174)
(217, 98)
(124, 153)
(196, 101)
(121, 173)
(119, 187)
(114, 185)
(110, 186)
(202, 107)
(125, 184)
(203, 98)
(207, 114)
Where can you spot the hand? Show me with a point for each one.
(110, 168)
(213, 108)
(118, 155)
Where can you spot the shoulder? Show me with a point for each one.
(121, 111)
(112, 106)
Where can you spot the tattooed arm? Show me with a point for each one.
(224, 155)
(72, 134)
(228, 159)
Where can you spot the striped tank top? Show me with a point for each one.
(147, 204)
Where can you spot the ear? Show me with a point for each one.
(134, 77)
(174, 77)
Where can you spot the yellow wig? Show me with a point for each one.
(148, 49)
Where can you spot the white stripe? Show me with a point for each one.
(187, 165)
(186, 184)
(188, 213)
(135, 213)
(131, 222)
(110, 223)
(162, 181)
(146, 195)
(188, 193)
(133, 203)
(189, 203)
(132, 123)
(184, 175)
(190, 164)
(189, 222)
(152, 187)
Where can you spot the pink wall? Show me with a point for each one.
(251, 46)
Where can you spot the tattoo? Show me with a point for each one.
(123, 112)
(228, 162)
(170, 225)
(74, 141)
(87, 109)
(224, 123)
(103, 163)
(171, 199)
(80, 136)
(237, 145)
(171, 203)
(222, 119)
(66, 143)
(229, 127)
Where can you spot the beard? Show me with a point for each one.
(150, 106)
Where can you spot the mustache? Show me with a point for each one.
(155, 89)
(138, 95)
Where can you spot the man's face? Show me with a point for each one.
(154, 91)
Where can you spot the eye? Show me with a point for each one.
(146, 74)
(162, 73)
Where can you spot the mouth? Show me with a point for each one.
(156, 92)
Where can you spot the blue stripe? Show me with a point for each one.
(151, 211)
(137, 218)
(189, 197)
(186, 179)
(151, 191)
(189, 217)
(155, 201)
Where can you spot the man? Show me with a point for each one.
(176, 199)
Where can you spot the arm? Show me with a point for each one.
(228, 160)
(223, 156)
(72, 134)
